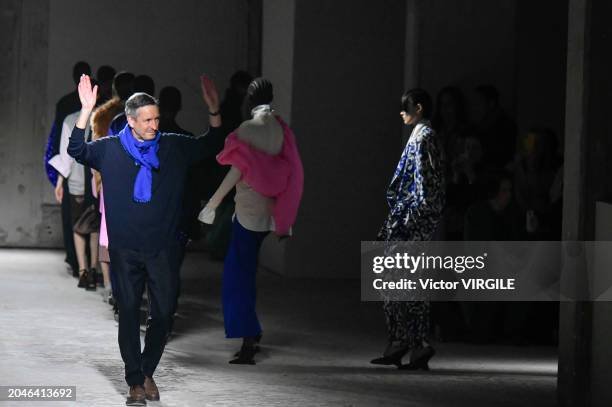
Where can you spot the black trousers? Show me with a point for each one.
(67, 224)
(160, 271)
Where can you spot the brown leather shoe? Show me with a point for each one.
(136, 397)
(150, 388)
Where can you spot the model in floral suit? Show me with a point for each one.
(416, 200)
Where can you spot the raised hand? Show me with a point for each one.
(87, 95)
(209, 93)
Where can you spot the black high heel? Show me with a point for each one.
(420, 362)
(256, 347)
(83, 278)
(392, 358)
(245, 356)
(247, 351)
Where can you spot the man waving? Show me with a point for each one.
(143, 172)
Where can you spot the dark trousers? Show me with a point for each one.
(71, 257)
(239, 283)
(132, 268)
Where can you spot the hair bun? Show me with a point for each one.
(260, 92)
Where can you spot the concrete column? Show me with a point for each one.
(278, 28)
(575, 317)
(278, 31)
(598, 168)
(23, 106)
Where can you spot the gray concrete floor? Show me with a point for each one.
(318, 339)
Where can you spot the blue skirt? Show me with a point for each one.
(239, 282)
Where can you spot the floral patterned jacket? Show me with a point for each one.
(416, 194)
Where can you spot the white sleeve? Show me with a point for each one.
(62, 162)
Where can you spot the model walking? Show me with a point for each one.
(416, 199)
(268, 175)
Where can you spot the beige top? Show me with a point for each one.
(263, 132)
(253, 210)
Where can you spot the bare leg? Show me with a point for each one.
(93, 249)
(79, 246)
(105, 273)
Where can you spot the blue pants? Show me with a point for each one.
(132, 269)
(239, 285)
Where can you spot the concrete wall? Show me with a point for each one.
(171, 42)
(24, 220)
(347, 81)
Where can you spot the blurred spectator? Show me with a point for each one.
(232, 108)
(496, 130)
(535, 169)
(123, 88)
(144, 83)
(170, 103)
(104, 76)
(462, 158)
(495, 218)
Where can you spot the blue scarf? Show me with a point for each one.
(145, 155)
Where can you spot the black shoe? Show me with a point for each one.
(245, 356)
(83, 279)
(392, 356)
(256, 349)
(252, 341)
(91, 280)
(419, 360)
(75, 273)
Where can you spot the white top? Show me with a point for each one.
(66, 165)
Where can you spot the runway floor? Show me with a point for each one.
(318, 340)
